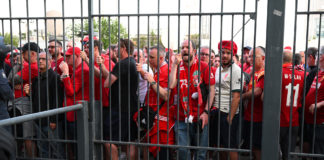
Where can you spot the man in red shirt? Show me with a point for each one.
(288, 93)
(101, 65)
(314, 106)
(76, 87)
(55, 49)
(192, 109)
(257, 109)
(246, 62)
(159, 80)
(25, 76)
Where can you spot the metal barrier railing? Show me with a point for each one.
(90, 125)
(82, 124)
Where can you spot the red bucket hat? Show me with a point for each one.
(228, 45)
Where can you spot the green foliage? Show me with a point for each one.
(143, 40)
(108, 30)
(7, 39)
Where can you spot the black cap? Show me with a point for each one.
(4, 49)
(33, 47)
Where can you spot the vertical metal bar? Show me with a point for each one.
(110, 131)
(2, 27)
(253, 79)
(188, 107)
(119, 80)
(10, 15)
(241, 85)
(29, 80)
(83, 133)
(199, 66)
(168, 91)
(272, 91)
(231, 78)
(99, 129)
(304, 89)
(158, 77)
(128, 69)
(317, 88)
(138, 79)
(148, 93)
(178, 73)
(39, 92)
(209, 69)
(219, 83)
(292, 86)
(91, 81)
(60, 125)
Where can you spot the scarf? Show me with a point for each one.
(193, 85)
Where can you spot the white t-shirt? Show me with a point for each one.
(223, 86)
(142, 87)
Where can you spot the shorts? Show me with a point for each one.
(23, 105)
(122, 128)
(256, 136)
(228, 140)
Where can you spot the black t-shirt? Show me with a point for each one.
(127, 79)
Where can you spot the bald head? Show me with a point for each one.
(287, 56)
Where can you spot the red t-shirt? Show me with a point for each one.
(205, 74)
(76, 81)
(286, 95)
(105, 91)
(24, 74)
(246, 67)
(151, 97)
(310, 99)
(258, 104)
(55, 65)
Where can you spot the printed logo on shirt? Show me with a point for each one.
(211, 75)
(183, 83)
(195, 73)
(185, 99)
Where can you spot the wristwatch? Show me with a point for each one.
(152, 83)
(206, 111)
(64, 76)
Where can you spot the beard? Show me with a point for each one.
(189, 58)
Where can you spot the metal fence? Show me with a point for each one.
(87, 77)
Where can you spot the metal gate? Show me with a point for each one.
(202, 22)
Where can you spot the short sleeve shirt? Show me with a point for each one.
(310, 99)
(228, 80)
(127, 81)
(287, 92)
(105, 91)
(258, 103)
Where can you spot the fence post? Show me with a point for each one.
(83, 132)
(273, 70)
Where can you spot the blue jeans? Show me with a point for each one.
(183, 140)
(49, 149)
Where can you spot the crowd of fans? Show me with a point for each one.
(195, 95)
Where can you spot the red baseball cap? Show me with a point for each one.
(86, 38)
(77, 51)
(287, 48)
(228, 45)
